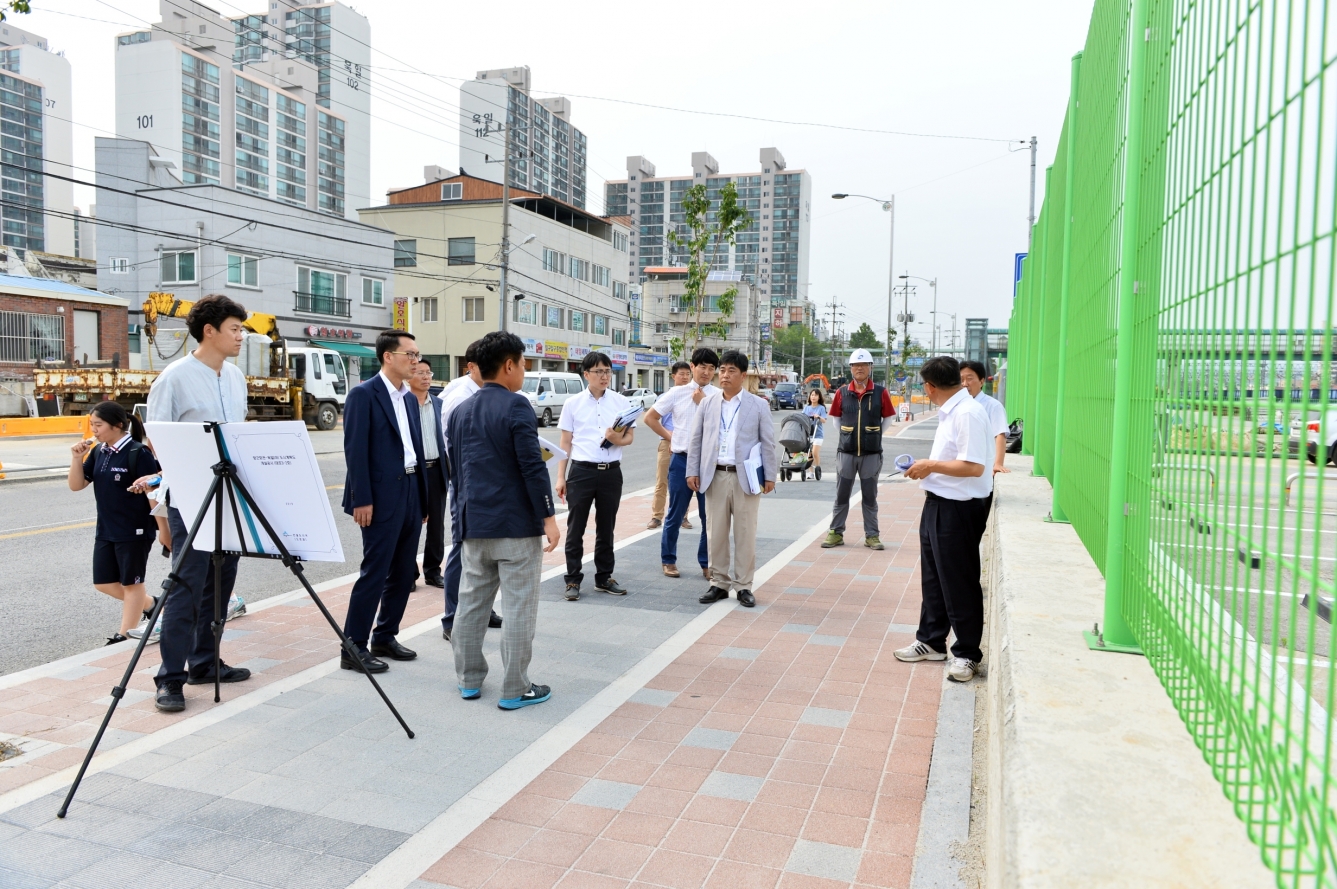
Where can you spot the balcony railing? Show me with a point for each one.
(319, 304)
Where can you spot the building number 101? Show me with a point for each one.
(145, 121)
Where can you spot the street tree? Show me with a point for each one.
(707, 226)
(796, 345)
(865, 338)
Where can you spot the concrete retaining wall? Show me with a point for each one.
(1093, 779)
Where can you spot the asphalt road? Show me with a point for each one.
(46, 547)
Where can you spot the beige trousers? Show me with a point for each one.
(661, 480)
(727, 506)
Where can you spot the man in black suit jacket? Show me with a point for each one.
(434, 453)
(386, 494)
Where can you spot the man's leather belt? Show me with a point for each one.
(615, 464)
(431, 463)
(720, 467)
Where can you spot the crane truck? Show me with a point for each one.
(283, 382)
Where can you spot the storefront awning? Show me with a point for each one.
(353, 350)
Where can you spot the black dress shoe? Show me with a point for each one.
(714, 594)
(439, 582)
(746, 599)
(169, 698)
(445, 633)
(373, 664)
(494, 622)
(225, 674)
(393, 650)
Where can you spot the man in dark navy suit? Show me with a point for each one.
(434, 453)
(386, 494)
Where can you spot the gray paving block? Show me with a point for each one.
(742, 654)
(98, 785)
(229, 635)
(147, 798)
(798, 628)
(51, 857)
(170, 837)
(271, 865)
(260, 665)
(843, 571)
(731, 786)
(174, 876)
(824, 860)
(823, 716)
(799, 564)
(327, 871)
(800, 590)
(655, 697)
(121, 870)
(99, 824)
(874, 578)
(35, 813)
(902, 628)
(827, 640)
(714, 738)
(222, 881)
(606, 794)
(900, 568)
(77, 671)
(12, 879)
(314, 833)
(146, 765)
(216, 852)
(264, 822)
(367, 844)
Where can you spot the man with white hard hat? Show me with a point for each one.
(863, 410)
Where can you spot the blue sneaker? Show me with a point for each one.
(537, 694)
(469, 694)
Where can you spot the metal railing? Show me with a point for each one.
(321, 304)
(1177, 304)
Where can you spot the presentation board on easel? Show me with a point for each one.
(276, 464)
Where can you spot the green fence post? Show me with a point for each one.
(1040, 247)
(1056, 479)
(1116, 635)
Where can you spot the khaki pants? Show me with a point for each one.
(661, 480)
(727, 506)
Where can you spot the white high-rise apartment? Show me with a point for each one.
(275, 104)
(549, 154)
(773, 250)
(38, 138)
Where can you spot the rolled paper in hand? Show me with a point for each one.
(904, 462)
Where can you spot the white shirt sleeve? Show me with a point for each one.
(973, 438)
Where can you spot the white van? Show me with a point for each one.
(548, 390)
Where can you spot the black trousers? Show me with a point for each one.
(949, 558)
(389, 564)
(434, 549)
(587, 486)
(187, 632)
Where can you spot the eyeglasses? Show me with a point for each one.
(601, 372)
(412, 356)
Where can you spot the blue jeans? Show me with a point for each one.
(680, 498)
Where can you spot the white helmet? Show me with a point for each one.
(861, 356)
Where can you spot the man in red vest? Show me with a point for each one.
(862, 409)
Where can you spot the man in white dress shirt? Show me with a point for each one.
(681, 403)
(591, 476)
(457, 391)
(973, 375)
(957, 487)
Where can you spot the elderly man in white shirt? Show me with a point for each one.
(592, 474)
(457, 391)
(681, 403)
(973, 375)
(958, 487)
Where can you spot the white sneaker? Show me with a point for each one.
(236, 607)
(138, 631)
(919, 652)
(961, 670)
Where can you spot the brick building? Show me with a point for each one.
(48, 319)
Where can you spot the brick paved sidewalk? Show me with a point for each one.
(787, 747)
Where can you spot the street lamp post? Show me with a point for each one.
(888, 205)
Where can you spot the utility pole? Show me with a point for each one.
(1030, 219)
(506, 217)
(890, 207)
(833, 337)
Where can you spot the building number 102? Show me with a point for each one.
(145, 121)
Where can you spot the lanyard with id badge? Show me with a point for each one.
(726, 451)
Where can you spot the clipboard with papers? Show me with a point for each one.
(754, 471)
(626, 420)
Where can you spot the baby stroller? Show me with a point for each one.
(796, 431)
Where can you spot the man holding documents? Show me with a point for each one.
(596, 425)
(731, 459)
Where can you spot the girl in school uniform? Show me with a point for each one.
(111, 460)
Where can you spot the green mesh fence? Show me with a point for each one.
(1171, 354)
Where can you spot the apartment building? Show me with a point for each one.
(665, 315)
(275, 105)
(567, 281)
(548, 153)
(327, 279)
(772, 251)
(35, 107)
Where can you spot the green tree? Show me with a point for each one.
(19, 6)
(707, 226)
(865, 338)
(797, 344)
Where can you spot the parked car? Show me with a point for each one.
(643, 398)
(788, 395)
(1322, 436)
(548, 390)
(769, 395)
